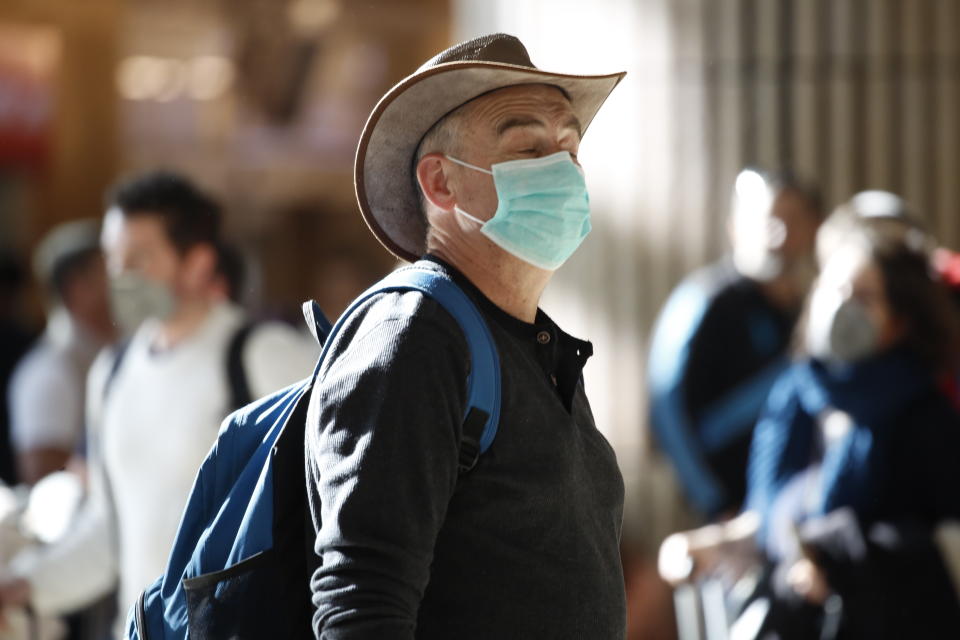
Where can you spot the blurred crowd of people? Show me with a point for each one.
(805, 391)
(145, 351)
(805, 388)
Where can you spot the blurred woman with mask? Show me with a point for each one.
(856, 458)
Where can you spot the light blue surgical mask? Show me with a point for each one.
(543, 213)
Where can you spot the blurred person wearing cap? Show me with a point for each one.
(156, 401)
(47, 392)
(467, 167)
(722, 338)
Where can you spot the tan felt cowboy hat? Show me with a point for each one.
(384, 170)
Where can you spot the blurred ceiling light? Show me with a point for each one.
(140, 77)
(209, 77)
(311, 16)
(172, 80)
(166, 79)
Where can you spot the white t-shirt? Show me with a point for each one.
(158, 421)
(46, 392)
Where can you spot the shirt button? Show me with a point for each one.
(543, 337)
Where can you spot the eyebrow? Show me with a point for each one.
(511, 123)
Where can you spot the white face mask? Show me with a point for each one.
(134, 298)
(839, 330)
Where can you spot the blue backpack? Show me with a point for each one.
(240, 564)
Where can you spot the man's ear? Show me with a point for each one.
(199, 266)
(434, 181)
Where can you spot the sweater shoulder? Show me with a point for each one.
(395, 322)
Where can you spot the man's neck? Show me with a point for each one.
(510, 283)
(183, 323)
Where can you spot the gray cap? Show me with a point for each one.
(63, 242)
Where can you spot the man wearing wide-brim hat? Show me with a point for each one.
(468, 167)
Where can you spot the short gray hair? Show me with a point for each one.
(443, 137)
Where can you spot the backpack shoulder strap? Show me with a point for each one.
(482, 415)
(320, 328)
(240, 394)
(119, 351)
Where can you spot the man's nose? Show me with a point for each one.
(558, 146)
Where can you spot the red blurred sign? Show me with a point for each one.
(29, 57)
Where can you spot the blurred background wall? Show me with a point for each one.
(263, 100)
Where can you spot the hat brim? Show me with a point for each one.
(383, 169)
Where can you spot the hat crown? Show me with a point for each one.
(497, 47)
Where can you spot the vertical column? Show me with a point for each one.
(715, 192)
(786, 81)
(915, 96)
(748, 27)
(691, 162)
(878, 117)
(768, 84)
(840, 144)
(947, 132)
(733, 113)
(824, 76)
(857, 67)
(804, 124)
(892, 69)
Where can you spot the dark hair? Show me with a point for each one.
(916, 295)
(232, 266)
(189, 215)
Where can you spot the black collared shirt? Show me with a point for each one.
(523, 546)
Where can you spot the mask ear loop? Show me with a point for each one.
(467, 165)
(475, 168)
(468, 216)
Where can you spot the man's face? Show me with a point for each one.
(140, 244)
(521, 122)
(800, 222)
(86, 297)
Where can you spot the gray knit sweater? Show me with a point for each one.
(525, 545)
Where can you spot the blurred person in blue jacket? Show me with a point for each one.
(856, 458)
(721, 338)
